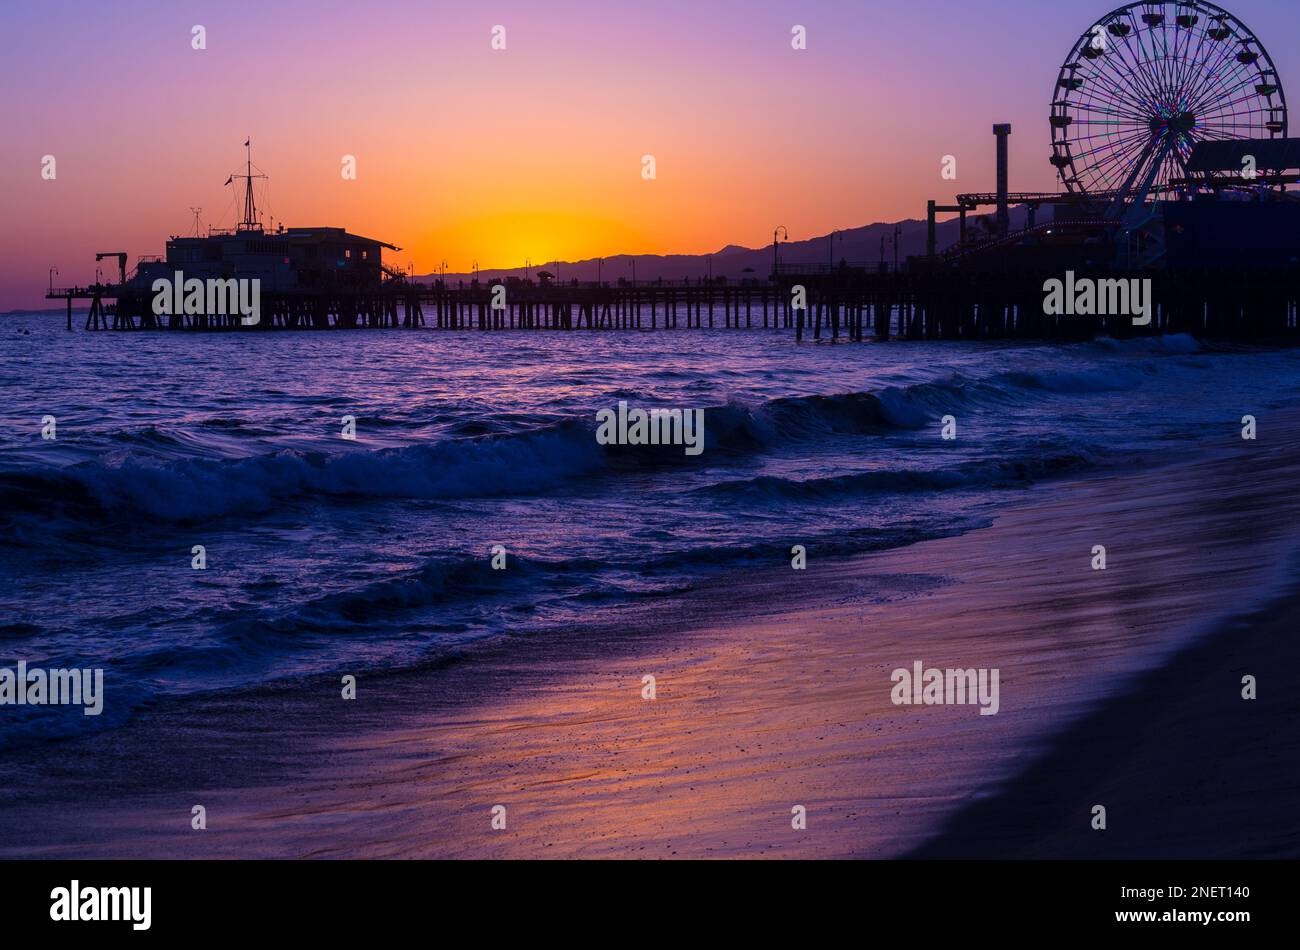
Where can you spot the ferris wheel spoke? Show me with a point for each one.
(1091, 162)
(1148, 163)
(1126, 155)
(1141, 71)
(1210, 65)
(1142, 98)
(1193, 59)
(1210, 103)
(1178, 63)
(1225, 118)
(1120, 156)
(1162, 63)
(1111, 135)
(1238, 75)
(1220, 107)
(1103, 89)
(1205, 87)
(1112, 105)
(1108, 177)
(1111, 83)
(1085, 114)
(1174, 70)
(1139, 74)
(1243, 125)
(1108, 76)
(1217, 135)
(1141, 67)
(1187, 82)
(1115, 137)
(1237, 123)
(1173, 66)
(1150, 58)
(1097, 148)
(1214, 71)
(1156, 62)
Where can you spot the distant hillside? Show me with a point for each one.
(856, 245)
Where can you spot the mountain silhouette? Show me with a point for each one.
(854, 245)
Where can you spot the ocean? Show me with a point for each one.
(327, 555)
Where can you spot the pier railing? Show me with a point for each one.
(868, 267)
(843, 303)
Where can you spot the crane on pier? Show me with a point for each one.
(121, 263)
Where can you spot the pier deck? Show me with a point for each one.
(917, 305)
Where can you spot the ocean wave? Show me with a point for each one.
(1169, 344)
(793, 419)
(437, 581)
(1110, 379)
(369, 608)
(1006, 473)
(170, 478)
(198, 489)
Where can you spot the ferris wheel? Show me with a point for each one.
(1146, 83)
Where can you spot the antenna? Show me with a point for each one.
(250, 209)
(198, 225)
(250, 222)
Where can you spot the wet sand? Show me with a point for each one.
(1185, 767)
(773, 691)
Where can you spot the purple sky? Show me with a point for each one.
(466, 153)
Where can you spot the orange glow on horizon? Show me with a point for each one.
(508, 239)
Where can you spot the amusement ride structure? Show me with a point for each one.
(1156, 104)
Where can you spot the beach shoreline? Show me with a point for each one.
(771, 694)
(1185, 767)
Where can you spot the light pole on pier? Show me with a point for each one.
(830, 243)
(776, 264)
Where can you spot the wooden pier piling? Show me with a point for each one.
(1254, 305)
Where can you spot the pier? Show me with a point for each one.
(842, 304)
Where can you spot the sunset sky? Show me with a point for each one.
(467, 153)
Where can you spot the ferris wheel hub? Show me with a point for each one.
(1179, 124)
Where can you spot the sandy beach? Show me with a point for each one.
(1119, 687)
